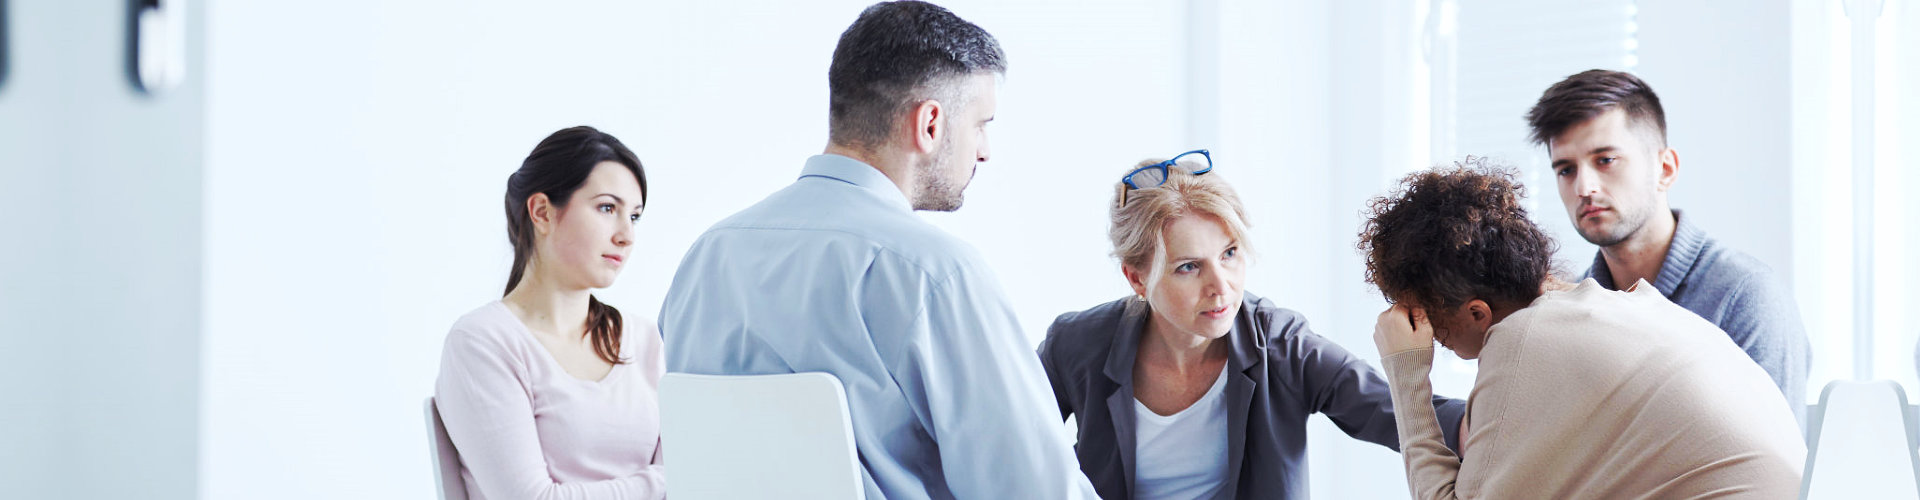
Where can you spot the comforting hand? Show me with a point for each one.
(1402, 329)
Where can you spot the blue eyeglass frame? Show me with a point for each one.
(1162, 167)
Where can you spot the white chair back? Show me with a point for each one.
(446, 459)
(754, 437)
(1861, 444)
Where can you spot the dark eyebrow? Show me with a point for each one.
(616, 199)
(1598, 150)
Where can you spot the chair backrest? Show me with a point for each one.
(758, 436)
(446, 459)
(1860, 443)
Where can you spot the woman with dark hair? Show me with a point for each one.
(548, 392)
(1582, 392)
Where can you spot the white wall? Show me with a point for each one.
(1727, 115)
(1899, 127)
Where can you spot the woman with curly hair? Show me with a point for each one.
(1582, 392)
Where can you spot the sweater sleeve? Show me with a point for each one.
(489, 416)
(1764, 321)
(1432, 469)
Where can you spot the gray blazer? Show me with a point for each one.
(1279, 373)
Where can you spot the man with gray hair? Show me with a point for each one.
(836, 274)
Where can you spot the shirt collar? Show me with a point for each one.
(857, 173)
(1688, 240)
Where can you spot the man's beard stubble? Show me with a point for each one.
(937, 192)
(1629, 224)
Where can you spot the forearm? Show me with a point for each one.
(1432, 467)
(1452, 414)
(490, 420)
(506, 461)
(650, 484)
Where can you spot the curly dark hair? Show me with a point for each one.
(1449, 235)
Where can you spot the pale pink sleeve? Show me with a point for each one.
(489, 415)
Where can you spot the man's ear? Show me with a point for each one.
(929, 126)
(1669, 168)
(541, 210)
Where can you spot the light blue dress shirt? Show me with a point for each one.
(836, 274)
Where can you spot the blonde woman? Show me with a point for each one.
(1191, 387)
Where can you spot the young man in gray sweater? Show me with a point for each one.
(1607, 137)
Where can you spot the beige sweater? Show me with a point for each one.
(1592, 393)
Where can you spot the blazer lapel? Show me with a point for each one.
(1119, 369)
(1246, 350)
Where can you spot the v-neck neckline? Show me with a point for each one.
(1213, 391)
(553, 362)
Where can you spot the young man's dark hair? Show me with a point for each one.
(1588, 94)
(1452, 235)
(896, 55)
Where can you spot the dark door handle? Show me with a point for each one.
(156, 44)
(3, 44)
